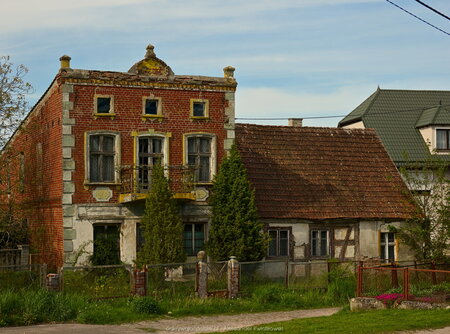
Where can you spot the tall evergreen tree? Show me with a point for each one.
(161, 224)
(235, 228)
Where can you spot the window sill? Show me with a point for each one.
(203, 183)
(88, 183)
(104, 115)
(200, 118)
(152, 117)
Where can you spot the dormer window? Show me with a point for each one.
(443, 139)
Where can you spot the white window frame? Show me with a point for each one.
(212, 161)
(205, 110)
(319, 242)
(159, 112)
(111, 105)
(435, 132)
(117, 156)
(385, 244)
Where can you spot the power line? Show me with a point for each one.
(336, 116)
(434, 10)
(431, 25)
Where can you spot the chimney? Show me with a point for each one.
(65, 62)
(228, 72)
(295, 122)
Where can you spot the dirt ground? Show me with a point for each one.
(191, 325)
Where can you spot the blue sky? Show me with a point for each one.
(293, 58)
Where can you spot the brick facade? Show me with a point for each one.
(63, 206)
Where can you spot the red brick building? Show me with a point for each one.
(86, 149)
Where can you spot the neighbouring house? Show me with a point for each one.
(85, 152)
(412, 124)
(324, 192)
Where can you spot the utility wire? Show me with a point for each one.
(434, 10)
(336, 116)
(431, 25)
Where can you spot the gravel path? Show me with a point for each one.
(191, 325)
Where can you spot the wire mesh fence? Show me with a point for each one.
(171, 280)
(17, 277)
(97, 281)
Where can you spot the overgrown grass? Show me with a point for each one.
(380, 321)
(174, 298)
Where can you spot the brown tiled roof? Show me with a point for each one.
(321, 173)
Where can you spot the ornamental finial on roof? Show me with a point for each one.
(150, 53)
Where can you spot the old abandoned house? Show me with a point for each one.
(85, 151)
(87, 147)
(324, 192)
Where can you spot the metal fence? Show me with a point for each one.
(17, 277)
(426, 282)
(97, 281)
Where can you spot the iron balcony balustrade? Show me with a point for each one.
(136, 182)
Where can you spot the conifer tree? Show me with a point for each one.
(235, 228)
(161, 224)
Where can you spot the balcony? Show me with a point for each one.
(136, 182)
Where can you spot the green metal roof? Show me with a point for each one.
(439, 115)
(396, 116)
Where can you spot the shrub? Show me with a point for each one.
(341, 284)
(269, 294)
(146, 305)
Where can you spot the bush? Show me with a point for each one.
(146, 305)
(341, 284)
(269, 294)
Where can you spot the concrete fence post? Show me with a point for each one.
(233, 277)
(53, 282)
(24, 254)
(201, 278)
(140, 282)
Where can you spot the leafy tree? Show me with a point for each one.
(13, 107)
(427, 233)
(161, 224)
(235, 228)
(13, 104)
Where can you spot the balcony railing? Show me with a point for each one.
(138, 179)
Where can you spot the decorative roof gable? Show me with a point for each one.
(151, 65)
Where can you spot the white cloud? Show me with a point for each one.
(276, 103)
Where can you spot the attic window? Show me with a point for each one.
(199, 108)
(443, 139)
(152, 107)
(103, 105)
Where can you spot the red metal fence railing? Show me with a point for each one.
(413, 283)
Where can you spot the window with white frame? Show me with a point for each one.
(104, 104)
(199, 108)
(387, 246)
(320, 243)
(443, 139)
(150, 152)
(278, 242)
(152, 107)
(200, 157)
(102, 157)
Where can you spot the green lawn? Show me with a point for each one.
(380, 321)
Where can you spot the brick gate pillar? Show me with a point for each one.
(140, 282)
